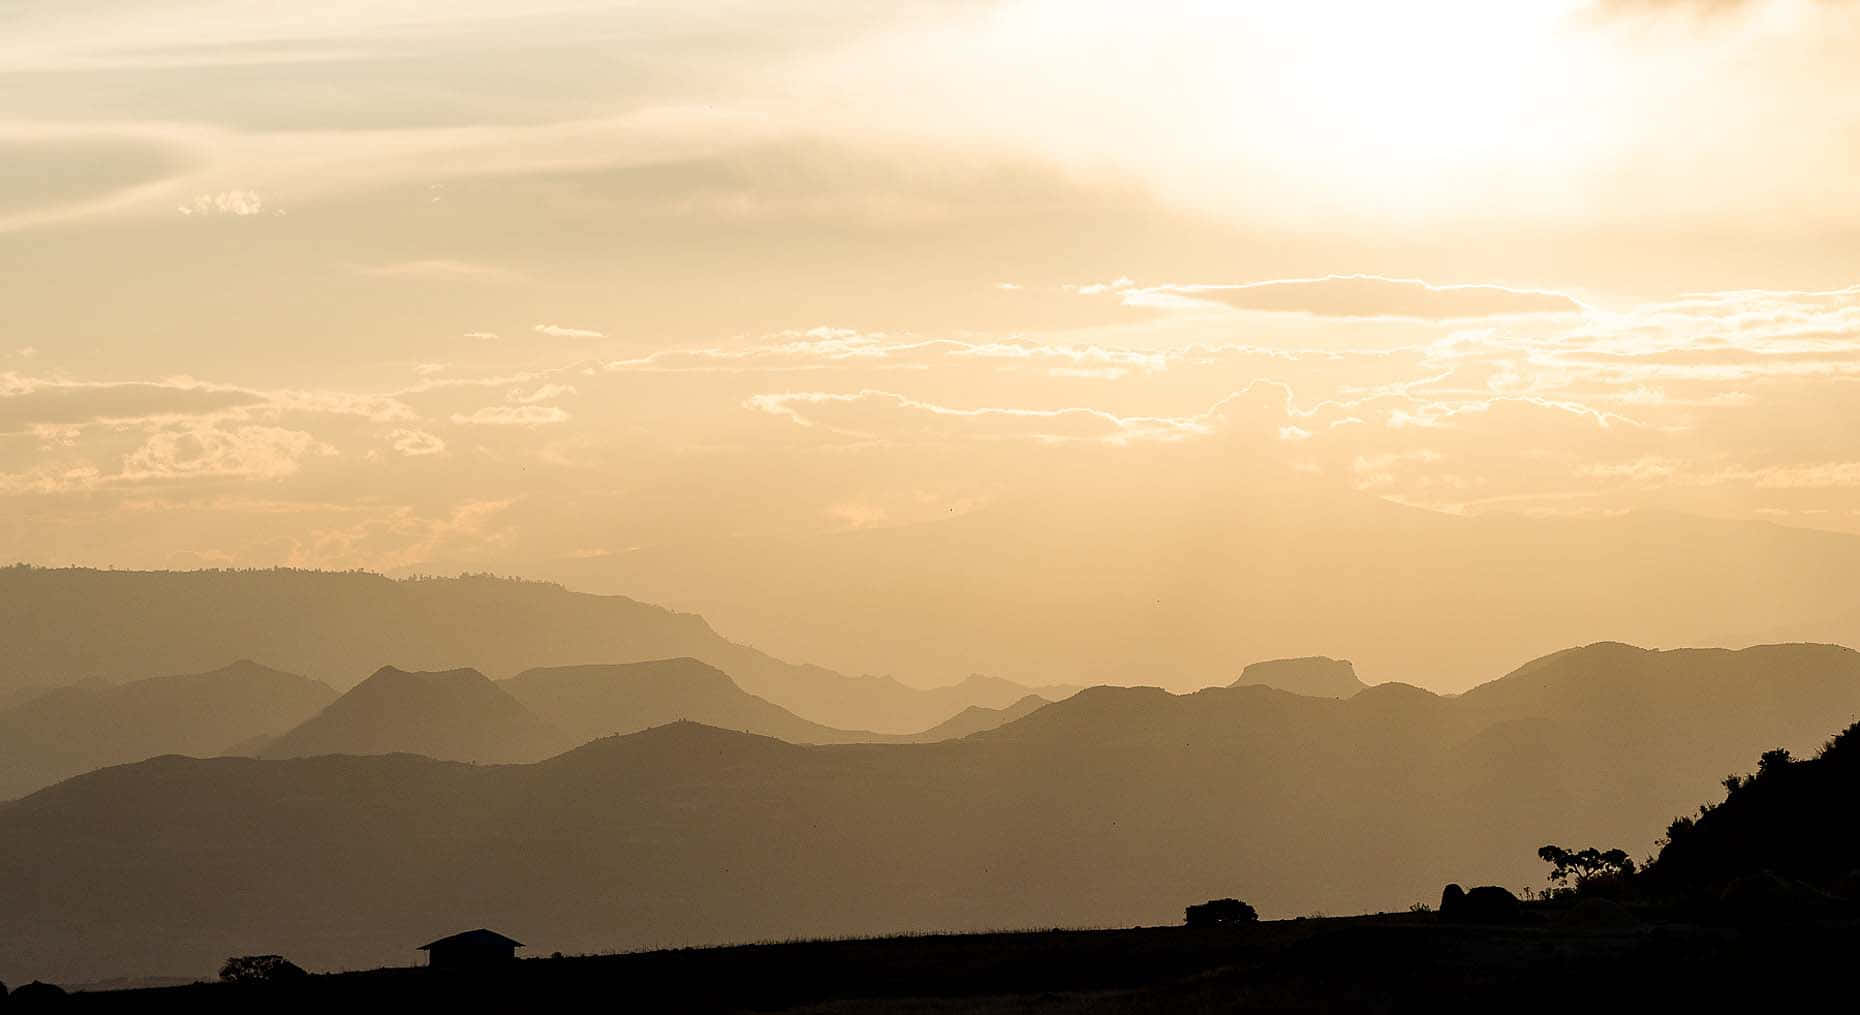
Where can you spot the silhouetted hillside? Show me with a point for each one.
(455, 715)
(56, 734)
(1318, 676)
(71, 624)
(1793, 819)
(588, 702)
(1109, 808)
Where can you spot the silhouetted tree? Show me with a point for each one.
(1583, 868)
(1220, 912)
(260, 969)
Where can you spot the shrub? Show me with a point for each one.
(260, 969)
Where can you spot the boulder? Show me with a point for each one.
(1484, 904)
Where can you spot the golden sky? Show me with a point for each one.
(382, 283)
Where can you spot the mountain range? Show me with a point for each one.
(337, 628)
(1113, 807)
(452, 715)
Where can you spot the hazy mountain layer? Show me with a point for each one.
(975, 719)
(74, 624)
(588, 702)
(460, 715)
(456, 715)
(1116, 806)
(54, 735)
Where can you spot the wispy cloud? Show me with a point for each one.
(236, 203)
(512, 415)
(416, 443)
(561, 331)
(1354, 296)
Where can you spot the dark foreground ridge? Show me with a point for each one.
(1404, 962)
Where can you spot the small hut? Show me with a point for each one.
(470, 950)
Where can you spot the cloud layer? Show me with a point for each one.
(1732, 403)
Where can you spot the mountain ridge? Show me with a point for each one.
(118, 625)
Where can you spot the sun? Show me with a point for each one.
(1417, 102)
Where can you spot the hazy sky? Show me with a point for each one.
(375, 283)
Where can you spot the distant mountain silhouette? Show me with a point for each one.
(1108, 808)
(52, 735)
(976, 719)
(453, 715)
(71, 624)
(588, 702)
(1318, 676)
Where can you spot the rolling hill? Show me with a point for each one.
(1114, 807)
(53, 735)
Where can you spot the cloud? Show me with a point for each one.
(884, 415)
(29, 401)
(236, 203)
(482, 336)
(247, 452)
(542, 393)
(821, 348)
(190, 452)
(559, 331)
(1355, 296)
(513, 415)
(416, 443)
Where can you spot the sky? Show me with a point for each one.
(393, 283)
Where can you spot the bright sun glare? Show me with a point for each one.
(1413, 98)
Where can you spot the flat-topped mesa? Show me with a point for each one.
(1316, 676)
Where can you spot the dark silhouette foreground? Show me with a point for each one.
(1406, 962)
(1684, 938)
